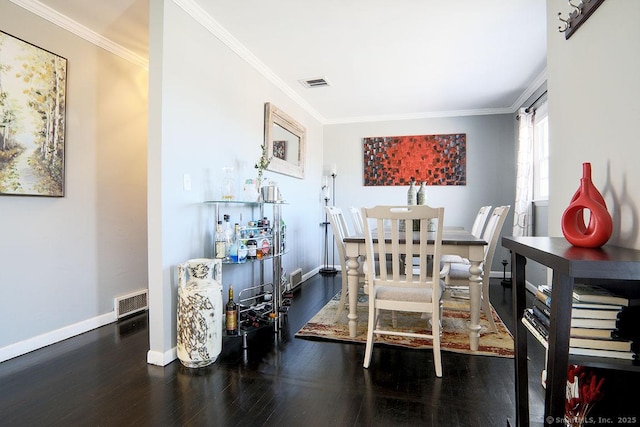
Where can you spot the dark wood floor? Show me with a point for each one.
(102, 378)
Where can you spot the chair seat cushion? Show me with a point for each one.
(453, 259)
(459, 271)
(395, 293)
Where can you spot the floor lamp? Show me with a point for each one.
(328, 270)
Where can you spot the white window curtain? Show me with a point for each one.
(522, 224)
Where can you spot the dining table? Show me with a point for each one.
(455, 241)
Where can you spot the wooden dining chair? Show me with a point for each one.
(356, 217)
(480, 220)
(459, 267)
(340, 230)
(393, 287)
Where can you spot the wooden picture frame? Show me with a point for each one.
(280, 127)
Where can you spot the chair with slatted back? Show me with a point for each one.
(340, 231)
(393, 287)
(356, 217)
(481, 220)
(459, 267)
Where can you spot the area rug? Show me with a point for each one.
(455, 333)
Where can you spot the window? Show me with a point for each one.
(541, 154)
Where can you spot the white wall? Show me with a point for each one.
(490, 166)
(206, 111)
(63, 260)
(594, 107)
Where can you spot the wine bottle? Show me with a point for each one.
(231, 316)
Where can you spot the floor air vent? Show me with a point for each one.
(131, 303)
(295, 278)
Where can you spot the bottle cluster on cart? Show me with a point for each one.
(240, 242)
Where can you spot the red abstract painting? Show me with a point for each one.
(434, 159)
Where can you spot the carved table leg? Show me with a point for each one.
(352, 281)
(475, 290)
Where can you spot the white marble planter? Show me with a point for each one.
(199, 340)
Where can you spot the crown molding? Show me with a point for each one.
(530, 90)
(203, 18)
(423, 115)
(63, 21)
(533, 87)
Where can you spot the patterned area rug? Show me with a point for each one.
(455, 335)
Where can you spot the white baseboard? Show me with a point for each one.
(500, 274)
(309, 274)
(40, 341)
(162, 359)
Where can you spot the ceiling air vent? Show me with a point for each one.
(317, 82)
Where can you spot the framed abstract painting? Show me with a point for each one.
(434, 159)
(32, 119)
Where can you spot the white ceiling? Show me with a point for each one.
(384, 59)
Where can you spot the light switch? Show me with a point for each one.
(186, 182)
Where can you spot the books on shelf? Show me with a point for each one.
(592, 333)
(604, 345)
(594, 323)
(601, 344)
(580, 318)
(587, 313)
(535, 326)
(543, 294)
(583, 313)
(597, 294)
(627, 355)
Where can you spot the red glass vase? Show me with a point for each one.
(600, 226)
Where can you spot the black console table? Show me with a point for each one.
(570, 264)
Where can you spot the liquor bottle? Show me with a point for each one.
(220, 247)
(233, 247)
(411, 193)
(264, 247)
(241, 247)
(228, 238)
(231, 315)
(252, 247)
(422, 194)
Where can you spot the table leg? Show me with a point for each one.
(352, 281)
(475, 300)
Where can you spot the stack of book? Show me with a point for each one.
(602, 323)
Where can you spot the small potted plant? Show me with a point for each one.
(261, 165)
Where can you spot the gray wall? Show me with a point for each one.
(206, 111)
(490, 166)
(63, 260)
(593, 114)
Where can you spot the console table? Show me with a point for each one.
(570, 264)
